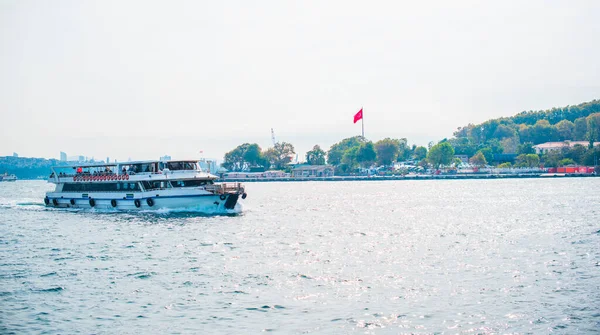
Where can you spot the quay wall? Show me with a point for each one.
(418, 177)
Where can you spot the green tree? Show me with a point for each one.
(506, 165)
(580, 130)
(593, 123)
(528, 160)
(440, 154)
(478, 160)
(253, 155)
(234, 159)
(510, 144)
(566, 161)
(504, 131)
(404, 151)
(349, 161)
(565, 130)
(488, 154)
(316, 156)
(366, 154)
(420, 153)
(280, 155)
(387, 151)
(336, 152)
(525, 148)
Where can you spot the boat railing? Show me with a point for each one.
(223, 188)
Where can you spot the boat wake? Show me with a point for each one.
(33, 205)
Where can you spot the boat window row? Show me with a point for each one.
(133, 187)
(156, 167)
(101, 187)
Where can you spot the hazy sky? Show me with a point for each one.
(142, 79)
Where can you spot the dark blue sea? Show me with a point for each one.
(518, 256)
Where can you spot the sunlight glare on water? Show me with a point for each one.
(465, 256)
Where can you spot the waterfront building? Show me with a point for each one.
(310, 171)
(552, 146)
(63, 156)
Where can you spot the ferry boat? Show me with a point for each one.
(142, 185)
(8, 177)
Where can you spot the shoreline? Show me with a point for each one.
(418, 177)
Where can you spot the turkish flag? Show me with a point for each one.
(358, 116)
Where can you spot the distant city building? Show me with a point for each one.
(15, 154)
(81, 159)
(107, 160)
(165, 158)
(552, 146)
(63, 156)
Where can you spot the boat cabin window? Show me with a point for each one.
(175, 166)
(142, 168)
(155, 185)
(101, 187)
(191, 183)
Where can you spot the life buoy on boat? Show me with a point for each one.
(113, 203)
(46, 201)
(244, 195)
(72, 201)
(126, 177)
(74, 178)
(137, 203)
(92, 202)
(150, 202)
(55, 202)
(222, 197)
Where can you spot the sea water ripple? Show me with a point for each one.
(393, 257)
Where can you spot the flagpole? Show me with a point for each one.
(363, 123)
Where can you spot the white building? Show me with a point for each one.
(552, 146)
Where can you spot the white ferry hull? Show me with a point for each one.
(142, 185)
(209, 203)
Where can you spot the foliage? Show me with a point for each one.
(27, 168)
(440, 154)
(528, 160)
(387, 151)
(316, 156)
(280, 155)
(366, 154)
(420, 153)
(525, 148)
(566, 161)
(506, 165)
(253, 155)
(578, 154)
(244, 156)
(336, 152)
(509, 134)
(488, 154)
(478, 160)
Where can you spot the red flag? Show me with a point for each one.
(358, 116)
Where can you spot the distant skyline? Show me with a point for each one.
(143, 79)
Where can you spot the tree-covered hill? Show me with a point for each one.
(27, 168)
(509, 134)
